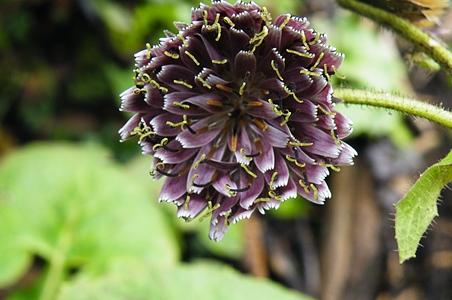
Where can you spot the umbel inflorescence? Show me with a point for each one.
(236, 109)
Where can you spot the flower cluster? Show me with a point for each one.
(236, 109)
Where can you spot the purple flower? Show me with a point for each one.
(236, 109)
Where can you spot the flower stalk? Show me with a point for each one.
(405, 29)
(403, 104)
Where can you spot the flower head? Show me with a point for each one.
(236, 109)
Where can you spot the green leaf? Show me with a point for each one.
(73, 201)
(416, 210)
(197, 281)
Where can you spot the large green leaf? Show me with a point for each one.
(416, 210)
(198, 281)
(73, 201)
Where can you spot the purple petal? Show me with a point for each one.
(173, 188)
(206, 130)
(266, 159)
(193, 208)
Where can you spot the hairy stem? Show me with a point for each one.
(404, 28)
(406, 105)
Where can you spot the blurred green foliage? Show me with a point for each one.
(76, 209)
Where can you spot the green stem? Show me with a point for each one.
(404, 28)
(406, 105)
(57, 262)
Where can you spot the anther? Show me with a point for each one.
(192, 57)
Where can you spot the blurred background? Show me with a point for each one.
(78, 211)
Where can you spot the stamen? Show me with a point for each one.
(158, 86)
(321, 55)
(300, 144)
(273, 195)
(275, 68)
(242, 89)
(187, 202)
(181, 105)
(162, 143)
(181, 82)
(266, 16)
(204, 82)
(258, 38)
(310, 73)
(303, 40)
(315, 40)
(342, 77)
(304, 186)
(181, 123)
(332, 167)
(333, 135)
(220, 62)
(307, 55)
(247, 170)
(326, 112)
(286, 115)
(210, 210)
(192, 57)
(272, 180)
(325, 72)
(295, 161)
(291, 93)
(228, 21)
(145, 77)
(142, 130)
(148, 51)
(286, 20)
(172, 55)
(316, 191)
(200, 160)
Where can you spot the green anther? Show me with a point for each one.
(275, 196)
(318, 61)
(275, 68)
(204, 82)
(228, 21)
(258, 38)
(307, 55)
(162, 143)
(148, 51)
(181, 105)
(315, 40)
(181, 82)
(300, 144)
(310, 73)
(220, 62)
(192, 57)
(242, 89)
(187, 202)
(325, 72)
(295, 161)
(158, 86)
(272, 180)
(200, 160)
(145, 77)
(304, 186)
(324, 111)
(172, 55)
(247, 170)
(210, 210)
(316, 191)
(303, 40)
(181, 123)
(142, 130)
(285, 22)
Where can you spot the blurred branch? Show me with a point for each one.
(406, 105)
(405, 29)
